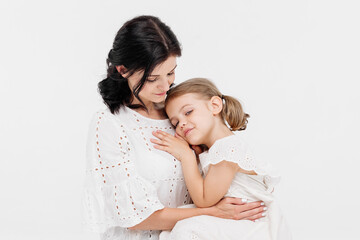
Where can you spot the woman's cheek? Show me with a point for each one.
(172, 79)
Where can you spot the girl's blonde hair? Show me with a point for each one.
(232, 110)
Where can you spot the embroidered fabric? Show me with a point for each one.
(127, 179)
(251, 187)
(234, 149)
(125, 204)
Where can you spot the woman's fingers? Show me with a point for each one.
(236, 201)
(256, 216)
(244, 210)
(250, 211)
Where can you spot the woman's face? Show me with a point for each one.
(157, 84)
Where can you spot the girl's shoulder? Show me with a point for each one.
(235, 139)
(226, 148)
(235, 149)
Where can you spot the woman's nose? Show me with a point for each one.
(165, 85)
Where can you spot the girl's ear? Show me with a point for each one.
(216, 105)
(122, 70)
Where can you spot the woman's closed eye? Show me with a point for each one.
(171, 73)
(151, 79)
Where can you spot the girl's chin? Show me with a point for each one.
(193, 141)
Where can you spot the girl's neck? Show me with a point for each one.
(220, 131)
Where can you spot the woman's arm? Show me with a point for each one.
(229, 208)
(166, 218)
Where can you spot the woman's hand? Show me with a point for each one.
(175, 145)
(235, 208)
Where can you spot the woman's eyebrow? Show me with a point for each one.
(159, 75)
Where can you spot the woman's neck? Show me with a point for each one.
(153, 111)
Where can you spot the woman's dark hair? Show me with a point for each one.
(140, 44)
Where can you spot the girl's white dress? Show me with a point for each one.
(251, 187)
(127, 179)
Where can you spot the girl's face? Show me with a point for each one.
(157, 84)
(193, 117)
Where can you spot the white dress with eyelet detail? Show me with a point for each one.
(127, 179)
(252, 187)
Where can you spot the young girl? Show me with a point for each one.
(199, 113)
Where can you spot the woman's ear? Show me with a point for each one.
(216, 105)
(122, 70)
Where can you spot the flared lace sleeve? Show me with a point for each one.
(114, 194)
(235, 149)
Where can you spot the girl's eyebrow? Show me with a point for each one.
(159, 75)
(171, 119)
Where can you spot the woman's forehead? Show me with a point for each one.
(165, 67)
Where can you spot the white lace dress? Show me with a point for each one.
(127, 179)
(252, 187)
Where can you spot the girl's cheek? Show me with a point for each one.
(178, 132)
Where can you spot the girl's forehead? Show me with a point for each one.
(188, 99)
(183, 99)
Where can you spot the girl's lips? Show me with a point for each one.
(161, 94)
(187, 131)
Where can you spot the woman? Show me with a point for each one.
(132, 189)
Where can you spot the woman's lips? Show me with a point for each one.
(161, 94)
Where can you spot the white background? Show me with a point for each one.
(293, 64)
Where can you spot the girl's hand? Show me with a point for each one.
(175, 145)
(237, 209)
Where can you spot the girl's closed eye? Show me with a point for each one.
(188, 112)
(171, 73)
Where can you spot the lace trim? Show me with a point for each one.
(234, 149)
(125, 204)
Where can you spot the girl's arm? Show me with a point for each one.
(229, 208)
(204, 192)
(207, 191)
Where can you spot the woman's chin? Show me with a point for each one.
(159, 99)
(159, 105)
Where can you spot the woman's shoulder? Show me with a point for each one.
(106, 116)
(129, 119)
(105, 123)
